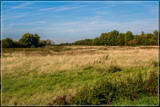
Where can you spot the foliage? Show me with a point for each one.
(17, 44)
(83, 42)
(121, 39)
(103, 39)
(61, 76)
(8, 42)
(36, 39)
(114, 68)
(132, 42)
(112, 38)
(128, 37)
(96, 41)
(27, 40)
(62, 100)
(105, 91)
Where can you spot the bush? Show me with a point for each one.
(62, 100)
(154, 63)
(106, 92)
(102, 93)
(151, 84)
(132, 42)
(7, 43)
(113, 69)
(17, 44)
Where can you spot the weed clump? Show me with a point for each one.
(154, 63)
(114, 68)
(62, 100)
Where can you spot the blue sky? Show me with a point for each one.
(71, 21)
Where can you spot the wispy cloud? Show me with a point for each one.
(21, 6)
(36, 11)
(30, 23)
(77, 20)
(62, 8)
(46, 9)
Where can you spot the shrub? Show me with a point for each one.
(114, 68)
(7, 43)
(154, 63)
(102, 93)
(17, 44)
(151, 84)
(132, 42)
(62, 100)
(106, 92)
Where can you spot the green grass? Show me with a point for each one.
(143, 100)
(29, 85)
(45, 83)
(99, 83)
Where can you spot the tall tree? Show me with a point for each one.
(138, 38)
(121, 39)
(36, 39)
(26, 39)
(112, 37)
(128, 37)
(96, 41)
(30, 40)
(103, 39)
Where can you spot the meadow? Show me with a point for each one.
(80, 75)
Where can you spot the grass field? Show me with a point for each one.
(81, 75)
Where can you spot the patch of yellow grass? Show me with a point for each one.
(80, 57)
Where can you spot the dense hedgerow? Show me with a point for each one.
(105, 92)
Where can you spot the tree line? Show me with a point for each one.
(114, 38)
(27, 40)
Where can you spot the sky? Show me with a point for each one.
(71, 21)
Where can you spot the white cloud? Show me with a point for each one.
(62, 8)
(30, 23)
(21, 6)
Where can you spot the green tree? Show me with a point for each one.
(155, 33)
(112, 37)
(120, 39)
(7, 43)
(103, 39)
(155, 37)
(36, 39)
(30, 40)
(42, 43)
(26, 39)
(132, 42)
(139, 38)
(128, 37)
(96, 41)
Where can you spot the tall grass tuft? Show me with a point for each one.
(114, 68)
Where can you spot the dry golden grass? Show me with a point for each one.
(22, 72)
(80, 57)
